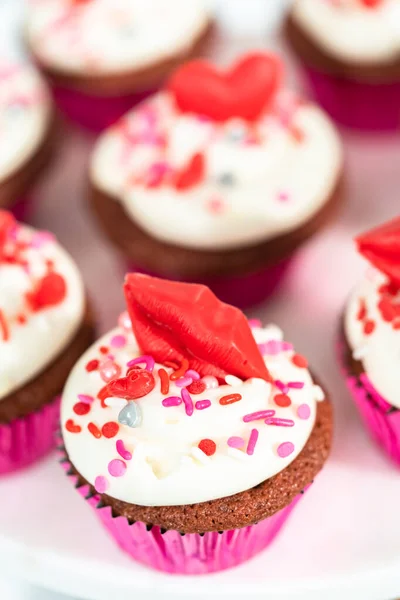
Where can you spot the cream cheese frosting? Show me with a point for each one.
(34, 328)
(107, 36)
(351, 31)
(173, 457)
(261, 179)
(24, 115)
(372, 329)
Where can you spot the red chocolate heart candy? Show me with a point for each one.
(175, 321)
(381, 247)
(245, 91)
(137, 384)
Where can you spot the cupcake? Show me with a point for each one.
(27, 133)
(199, 430)
(218, 178)
(350, 50)
(370, 342)
(102, 56)
(45, 325)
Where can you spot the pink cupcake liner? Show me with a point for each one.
(95, 113)
(380, 418)
(357, 105)
(185, 554)
(27, 439)
(242, 291)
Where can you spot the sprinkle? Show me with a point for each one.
(171, 365)
(110, 429)
(230, 399)
(94, 430)
(274, 347)
(81, 408)
(279, 422)
(100, 484)
(209, 447)
(122, 451)
(296, 385)
(319, 393)
(164, 379)
(254, 323)
(197, 387)
(115, 402)
(303, 411)
(188, 402)
(202, 404)
(103, 350)
(300, 361)
(109, 370)
(124, 321)
(172, 401)
(85, 398)
(387, 310)
(118, 341)
(252, 442)
(4, 330)
(282, 400)
(369, 327)
(92, 365)
(235, 442)
(180, 371)
(148, 361)
(210, 381)
(199, 455)
(72, 427)
(117, 467)
(285, 449)
(233, 380)
(183, 382)
(238, 454)
(261, 414)
(131, 415)
(193, 374)
(281, 386)
(283, 196)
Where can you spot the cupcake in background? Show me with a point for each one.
(370, 344)
(201, 432)
(103, 56)
(45, 325)
(27, 133)
(218, 178)
(350, 50)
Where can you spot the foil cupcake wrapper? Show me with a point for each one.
(27, 439)
(188, 554)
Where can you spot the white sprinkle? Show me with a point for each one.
(199, 455)
(261, 383)
(187, 460)
(274, 333)
(319, 394)
(115, 402)
(233, 380)
(360, 352)
(238, 454)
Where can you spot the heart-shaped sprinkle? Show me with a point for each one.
(130, 415)
(136, 384)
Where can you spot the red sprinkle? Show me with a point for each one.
(4, 331)
(110, 430)
(387, 310)
(21, 319)
(282, 400)
(81, 408)
(72, 427)
(94, 430)
(163, 375)
(103, 349)
(396, 325)
(208, 447)
(197, 387)
(92, 365)
(369, 327)
(300, 361)
(230, 399)
(181, 371)
(362, 311)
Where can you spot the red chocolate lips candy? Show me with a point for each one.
(381, 247)
(176, 321)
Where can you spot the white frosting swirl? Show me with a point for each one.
(164, 465)
(24, 115)
(379, 349)
(350, 31)
(260, 180)
(106, 36)
(35, 338)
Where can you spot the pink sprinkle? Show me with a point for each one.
(283, 196)
(285, 449)
(296, 385)
(273, 347)
(100, 484)
(235, 442)
(303, 411)
(202, 404)
(188, 402)
(148, 361)
(85, 398)
(193, 374)
(109, 370)
(281, 386)
(116, 467)
(261, 414)
(118, 341)
(172, 401)
(280, 422)
(210, 382)
(41, 238)
(183, 382)
(252, 442)
(254, 323)
(124, 321)
(122, 451)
